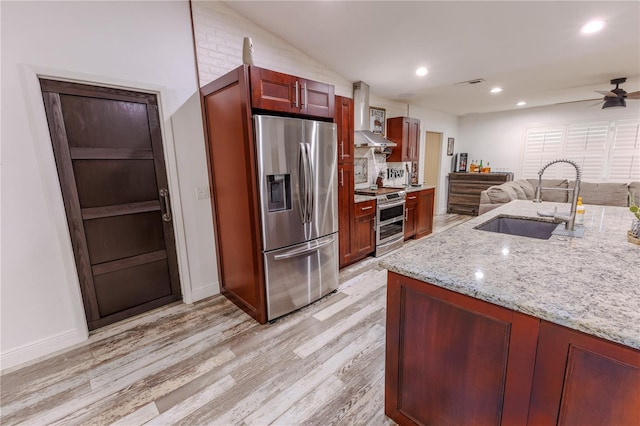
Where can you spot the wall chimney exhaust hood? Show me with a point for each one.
(364, 137)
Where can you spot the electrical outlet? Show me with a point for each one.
(202, 193)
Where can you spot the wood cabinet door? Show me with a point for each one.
(405, 132)
(364, 236)
(410, 210)
(584, 380)
(108, 150)
(274, 91)
(455, 360)
(424, 217)
(316, 99)
(344, 123)
(345, 213)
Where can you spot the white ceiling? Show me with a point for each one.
(533, 50)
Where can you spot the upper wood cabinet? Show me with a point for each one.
(344, 123)
(404, 131)
(276, 91)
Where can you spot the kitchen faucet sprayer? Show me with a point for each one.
(569, 220)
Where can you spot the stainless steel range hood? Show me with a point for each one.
(363, 134)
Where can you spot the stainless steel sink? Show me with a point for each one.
(531, 228)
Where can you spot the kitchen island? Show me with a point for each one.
(491, 328)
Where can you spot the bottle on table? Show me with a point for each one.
(579, 212)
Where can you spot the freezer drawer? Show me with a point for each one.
(300, 274)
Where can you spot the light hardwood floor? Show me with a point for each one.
(209, 363)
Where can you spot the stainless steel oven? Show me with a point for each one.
(390, 222)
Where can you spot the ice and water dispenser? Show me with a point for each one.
(279, 192)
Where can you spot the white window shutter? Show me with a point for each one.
(624, 160)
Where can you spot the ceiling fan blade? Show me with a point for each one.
(633, 95)
(607, 93)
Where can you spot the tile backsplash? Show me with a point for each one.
(369, 165)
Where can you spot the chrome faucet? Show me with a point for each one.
(568, 220)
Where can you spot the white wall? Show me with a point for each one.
(500, 137)
(140, 45)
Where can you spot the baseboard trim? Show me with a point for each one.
(206, 291)
(31, 352)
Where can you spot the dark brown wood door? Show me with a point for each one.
(345, 213)
(344, 124)
(108, 151)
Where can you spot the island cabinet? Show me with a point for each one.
(465, 189)
(453, 359)
(276, 91)
(418, 214)
(583, 380)
(405, 132)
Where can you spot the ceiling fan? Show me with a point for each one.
(617, 97)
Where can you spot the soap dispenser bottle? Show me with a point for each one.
(579, 212)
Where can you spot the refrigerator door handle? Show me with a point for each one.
(311, 185)
(304, 251)
(302, 182)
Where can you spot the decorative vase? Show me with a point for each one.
(633, 235)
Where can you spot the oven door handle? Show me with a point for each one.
(388, 205)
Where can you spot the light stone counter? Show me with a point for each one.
(360, 198)
(590, 284)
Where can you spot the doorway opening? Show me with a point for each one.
(431, 162)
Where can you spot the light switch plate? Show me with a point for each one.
(202, 193)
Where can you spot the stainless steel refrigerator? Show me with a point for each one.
(297, 169)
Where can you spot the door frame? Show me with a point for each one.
(53, 193)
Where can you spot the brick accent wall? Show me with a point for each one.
(219, 33)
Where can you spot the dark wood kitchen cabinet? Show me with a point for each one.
(364, 237)
(410, 207)
(228, 105)
(465, 189)
(276, 91)
(424, 215)
(418, 218)
(454, 359)
(583, 380)
(344, 124)
(346, 209)
(404, 131)
(356, 221)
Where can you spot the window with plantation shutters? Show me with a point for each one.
(586, 144)
(542, 145)
(606, 151)
(624, 158)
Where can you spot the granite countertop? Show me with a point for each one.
(361, 198)
(590, 284)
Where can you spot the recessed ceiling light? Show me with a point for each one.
(496, 90)
(421, 71)
(521, 103)
(592, 27)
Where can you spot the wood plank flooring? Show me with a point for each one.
(209, 363)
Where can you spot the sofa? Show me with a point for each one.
(602, 193)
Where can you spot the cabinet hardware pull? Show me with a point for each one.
(341, 149)
(166, 207)
(306, 96)
(411, 198)
(341, 177)
(297, 103)
(366, 208)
